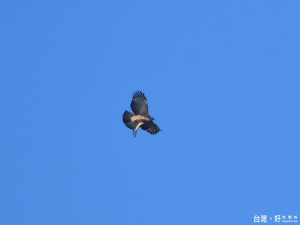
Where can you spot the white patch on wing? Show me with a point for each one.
(138, 117)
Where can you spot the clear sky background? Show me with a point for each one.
(222, 80)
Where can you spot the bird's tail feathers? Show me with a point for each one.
(127, 116)
(127, 120)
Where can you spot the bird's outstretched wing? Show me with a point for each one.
(151, 127)
(139, 104)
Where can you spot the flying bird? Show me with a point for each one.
(141, 117)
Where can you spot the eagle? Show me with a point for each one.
(141, 117)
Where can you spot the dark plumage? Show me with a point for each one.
(141, 117)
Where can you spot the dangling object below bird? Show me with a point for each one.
(141, 117)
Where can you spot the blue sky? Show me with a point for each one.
(222, 81)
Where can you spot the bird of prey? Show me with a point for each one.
(141, 117)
